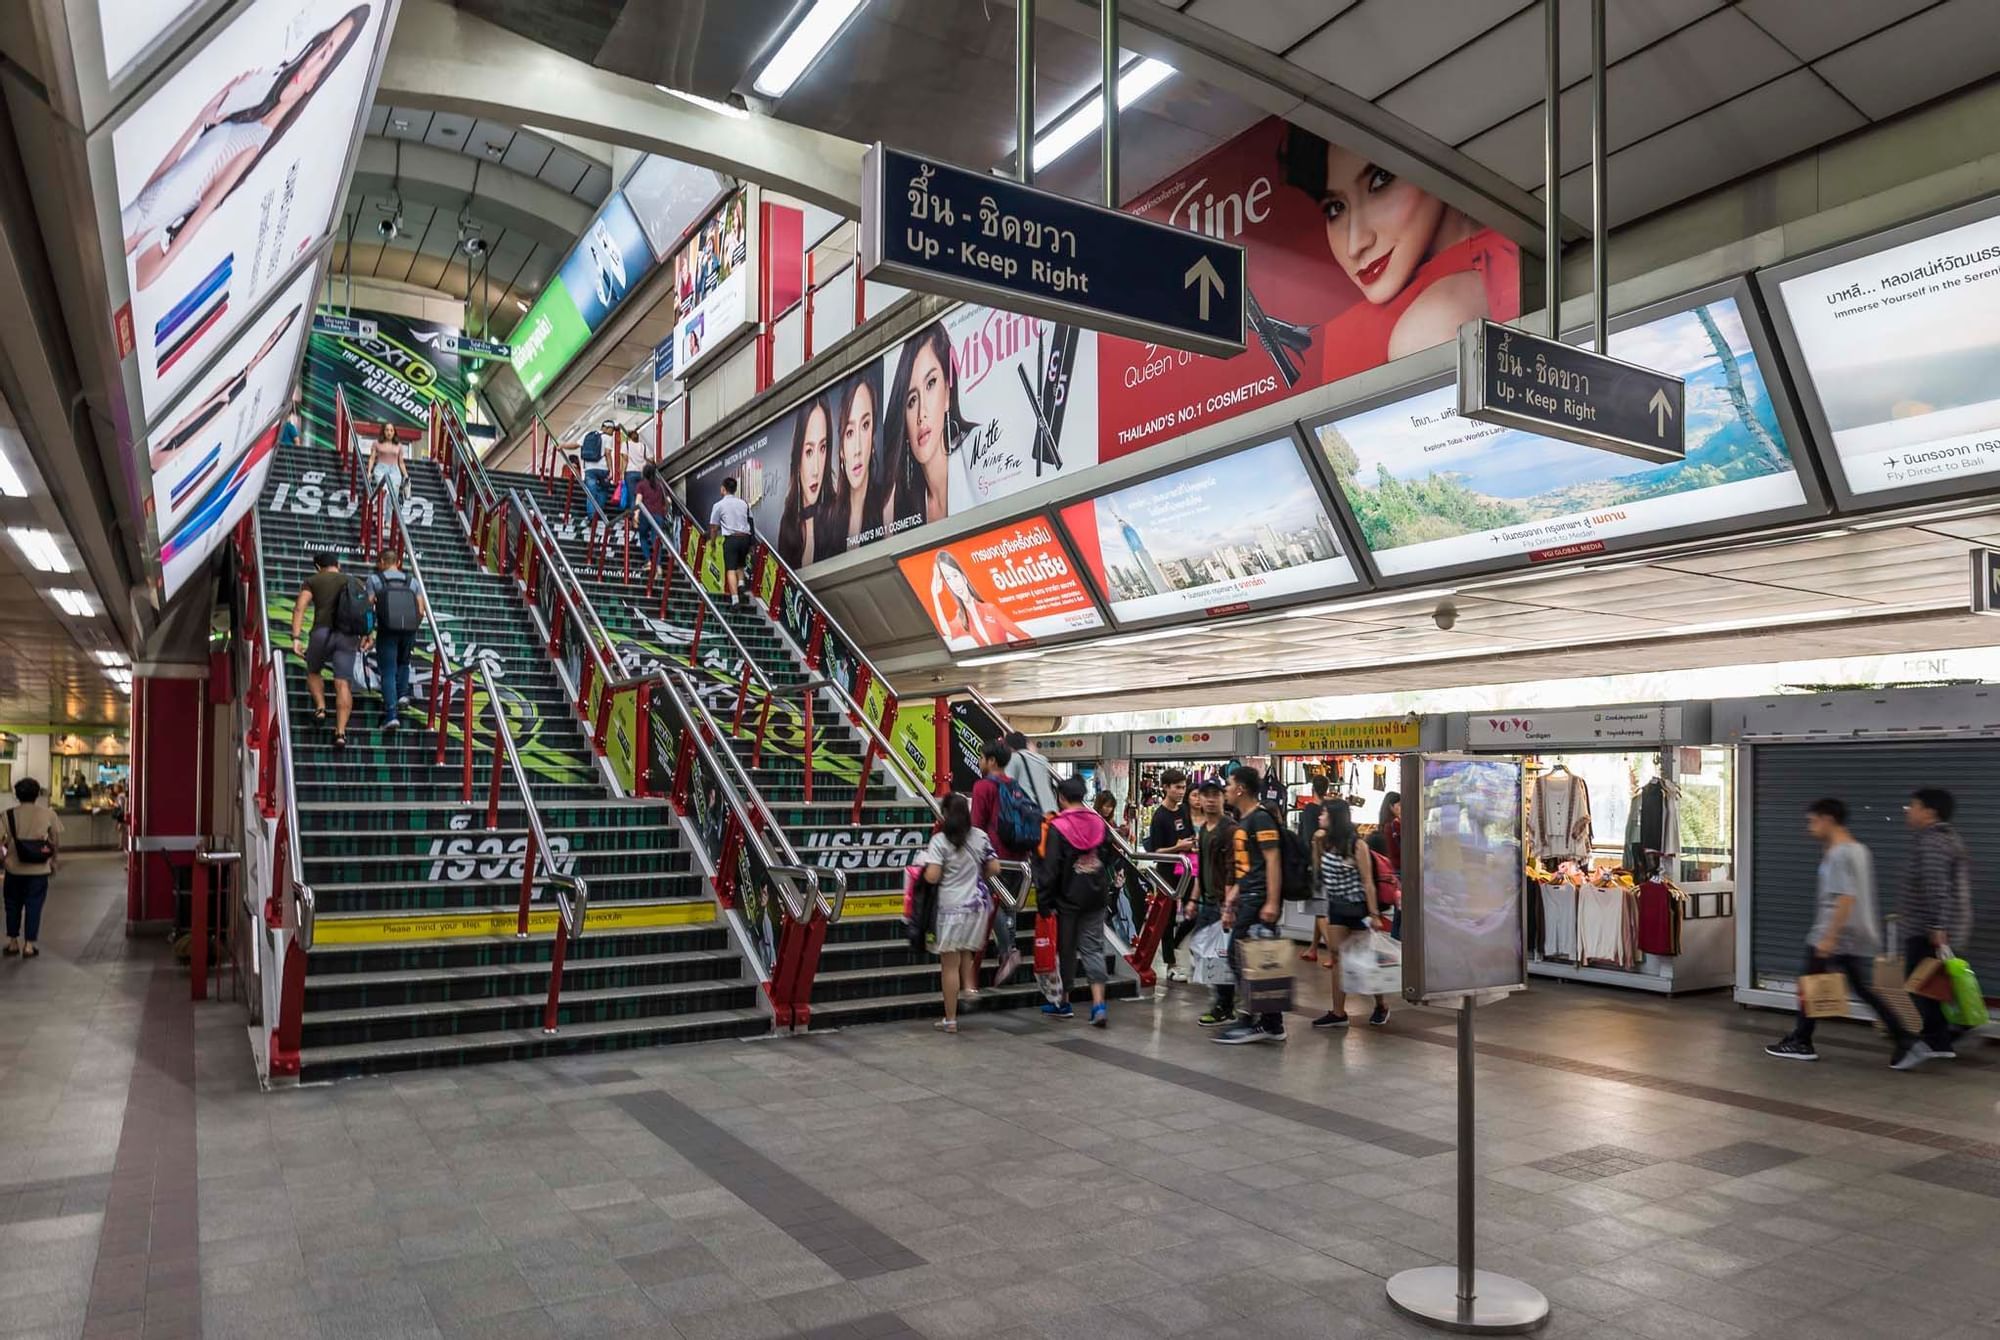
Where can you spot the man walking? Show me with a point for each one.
(1936, 904)
(1171, 830)
(729, 521)
(1215, 873)
(986, 818)
(399, 612)
(340, 622)
(1844, 937)
(1030, 771)
(1258, 867)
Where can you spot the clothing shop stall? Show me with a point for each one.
(1362, 760)
(1869, 749)
(1201, 752)
(1628, 811)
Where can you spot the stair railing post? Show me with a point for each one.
(941, 744)
(493, 788)
(528, 858)
(443, 719)
(694, 642)
(816, 644)
(742, 700)
(198, 931)
(642, 748)
(863, 678)
(465, 787)
(556, 955)
(807, 741)
(683, 772)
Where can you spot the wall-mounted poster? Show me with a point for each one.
(668, 196)
(1004, 586)
(229, 171)
(127, 28)
(1023, 402)
(1237, 531)
(393, 376)
(1896, 339)
(187, 550)
(1349, 266)
(1432, 493)
(714, 296)
(609, 260)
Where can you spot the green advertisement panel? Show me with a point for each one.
(547, 338)
(621, 740)
(393, 376)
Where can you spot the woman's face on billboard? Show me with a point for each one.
(812, 455)
(1378, 226)
(930, 398)
(857, 437)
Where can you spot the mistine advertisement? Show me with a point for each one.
(1901, 349)
(1349, 266)
(1007, 585)
(1431, 491)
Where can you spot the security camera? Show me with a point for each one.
(475, 246)
(1445, 616)
(388, 227)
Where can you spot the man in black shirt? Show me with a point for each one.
(1172, 830)
(1252, 900)
(1306, 822)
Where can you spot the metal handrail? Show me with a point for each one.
(575, 884)
(304, 904)
(460, 447)
(1016, 898)
(441, 661)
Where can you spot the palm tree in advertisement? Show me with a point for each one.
(1739, 398)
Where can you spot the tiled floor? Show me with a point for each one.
(1640, 1160)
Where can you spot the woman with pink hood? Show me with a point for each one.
(1072, 871)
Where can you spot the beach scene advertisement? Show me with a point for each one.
(1432, 491)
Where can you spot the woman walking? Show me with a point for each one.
(956, 864)
(33, 833)
(1346, 875)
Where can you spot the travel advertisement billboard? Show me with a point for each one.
(1349, 266)
(607, 263)
(228, 172)
(393, 377)
(1896, 341)
(1432, 493)
(1008, 585)
(1232, 533)
(714, 296)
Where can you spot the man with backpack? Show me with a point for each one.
(1267, 863)
(33, 835)
(399, 612)
(595, 459)
(1013, 824)
(1074, 871)
(1031, 772)
(1171, 831)
(339, 605)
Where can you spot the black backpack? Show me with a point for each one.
(30, 851)
(350, 608)
(1294, 867)
(398, 605)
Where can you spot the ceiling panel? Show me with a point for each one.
(563, 170)
(595, 186)
(527, 153)
(1275, 25)
(1938, 50)
(448, 130)
(1809, 31)
(489, 141)
(407, 123)
(1378, 44)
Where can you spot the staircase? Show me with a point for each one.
(413, 959)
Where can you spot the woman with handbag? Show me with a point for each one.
(955, 903)
(1346, 875)
(33, 832)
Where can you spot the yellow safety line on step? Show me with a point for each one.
(874, 905)
(541, 921)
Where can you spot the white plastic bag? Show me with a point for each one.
(1295, 919)
(1209, 947)
(1371, 964)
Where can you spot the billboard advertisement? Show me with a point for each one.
(393, 376)
(1240, 530)
(248, 388)
(714, 297)
(1463, 926)
(228, 172)
(1004, 586)
(187, 550)
(1897, 343)
(1349, 266)
(668, 196)
(1432, 493)
(607, 263)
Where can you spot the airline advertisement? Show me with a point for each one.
(714, 296)
(1238, 531)
(606, 264)
(1004, 586)
(1898, 350)
(1432, 493)
(393, 377)
(1349, 266)
(230, 171)
(210, 429)
(184, 554)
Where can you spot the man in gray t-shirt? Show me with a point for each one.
(1845, 934)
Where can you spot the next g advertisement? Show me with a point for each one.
(393, 377)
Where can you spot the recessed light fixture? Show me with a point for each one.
(74, 603)
(521, 303)
(10, 482)
(1001, 658)
(113, 659)
(1135, 81)
(803, 45)
(719, 108)
(39, 548)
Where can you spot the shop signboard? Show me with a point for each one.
(1464, 931)
(1519, 380)
(610, 260)
(1433, 494)
(1348, 266)
(1894, 341)
(1574, 728)
(1009, 585)
(1205, 742)
(1069, 748)
(1986, 581)
(1239, 531)
(1386, 735)
(938, 228)
(715, 291)
(218, 177)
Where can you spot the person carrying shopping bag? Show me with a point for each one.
(1344, 869)
(34, 833)
(955, 904)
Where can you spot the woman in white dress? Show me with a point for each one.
(956, 865)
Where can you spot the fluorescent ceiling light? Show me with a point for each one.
(521, 303)
(122, 678)
(1134, 82)
(39, 548)
(720, 108)
(10, 482)
(109, 658)
(803, 45)
(1130, 639)
(74, 603)
(1338, 607)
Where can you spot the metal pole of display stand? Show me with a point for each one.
(1461, 1297)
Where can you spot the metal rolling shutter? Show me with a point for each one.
(1874, 780)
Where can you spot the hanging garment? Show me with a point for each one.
(1600, 927)
(1558, 921)
(1381, 777)
(1658, 914)
(1652, 832)
(1560, 818)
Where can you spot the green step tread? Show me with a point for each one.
(458, 1044)
(331, 981)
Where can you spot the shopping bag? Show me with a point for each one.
(1823, 995)
(913, 879)
(1371, 964)
(1265, 971)
(1047, 974)
(1210, 948)
(1295, 920)
(1967, 1006)
(1930, 979)
(1889, 985)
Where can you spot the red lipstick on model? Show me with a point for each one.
(1372, 271)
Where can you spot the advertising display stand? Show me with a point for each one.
(1463, 946)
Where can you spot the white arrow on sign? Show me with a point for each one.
(1203, 275)
(1663, 410)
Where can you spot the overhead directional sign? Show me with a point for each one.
(938, 228)
(344, 327)
(466, 346)
(1538, 385)
(1986, 581)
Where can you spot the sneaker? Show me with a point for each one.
(1099, 1016)
(1791, 1049)
(1176, 975)
(1008, 967)
(1910, 1057)
(1216, 1018)
(1942, 1054)
(1062, 1012)
(1379, 1016)
(1330, 1020)
(945, 1025)
(1243, 1034)
(391, 724)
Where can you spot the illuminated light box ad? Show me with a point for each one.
(187, 551)
(1004, 586)
(714, 297)
(128, 27)
(228, 172)
(1898, 349)
(669, 196)
(211, 427)
(606, 264)
(1237, 531)
(1431, 492)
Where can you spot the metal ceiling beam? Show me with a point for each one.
(1265, 79)
(442, 178)
(442, 57)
